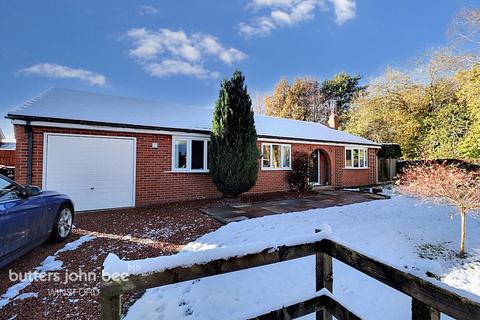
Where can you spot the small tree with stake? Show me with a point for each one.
(233, 148)
(444, 184)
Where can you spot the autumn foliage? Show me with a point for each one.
(444, 184)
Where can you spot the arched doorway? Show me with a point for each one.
(320, 171)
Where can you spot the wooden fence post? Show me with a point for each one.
(421, 311)
(323, 278)
(111, 307)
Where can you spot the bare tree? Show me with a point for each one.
(258, 102)
(444, 184)
(464, 35)
(465, 28)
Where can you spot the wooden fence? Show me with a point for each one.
(387, 169)
(428, 299)
(7, 158)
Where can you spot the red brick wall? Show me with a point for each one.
(355, 177)
(21, 149)
(362, 177)
(156, 183)
(7, 157)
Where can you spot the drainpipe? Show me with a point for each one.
(28, 129)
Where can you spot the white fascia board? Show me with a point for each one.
(279, 140)
(106, 128)
(173, 133)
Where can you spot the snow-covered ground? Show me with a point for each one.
(404, 232)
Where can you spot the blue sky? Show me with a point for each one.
(178, 51)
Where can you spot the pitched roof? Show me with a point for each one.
(65, 105)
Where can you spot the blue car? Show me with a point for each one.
(29, 217)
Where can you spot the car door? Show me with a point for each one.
(21, 218)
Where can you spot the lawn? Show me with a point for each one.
(415, 236)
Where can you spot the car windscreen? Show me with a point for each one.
(8, 190)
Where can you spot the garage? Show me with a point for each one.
(97, 172)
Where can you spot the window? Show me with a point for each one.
(356, 158)
(276, 156)
(8, 191)
(198, 147)
(286, 156)
(181, 154)
(348, 158)
(190, 154)
(266, 159)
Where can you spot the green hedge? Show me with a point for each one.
(390, 151)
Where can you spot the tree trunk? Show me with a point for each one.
(462, 241)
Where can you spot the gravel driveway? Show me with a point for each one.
(130, 233)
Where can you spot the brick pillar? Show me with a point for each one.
(21, 154)
(339, 165)
(372, 165)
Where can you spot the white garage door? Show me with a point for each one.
(96, 172)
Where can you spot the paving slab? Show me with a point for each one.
(248, 210)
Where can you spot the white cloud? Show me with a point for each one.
(281, 13)
(344, 10)
(271, 3)
(57, 71)
(229, 56)
(166, 52)
(261, 26)
(148, 10)
(169, 67)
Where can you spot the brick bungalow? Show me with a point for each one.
(107, 151)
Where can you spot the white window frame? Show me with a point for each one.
(361, 165)
(281, 156)
(189, 154)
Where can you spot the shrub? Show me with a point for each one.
(445, 184)
(298, 178)
(390, 151)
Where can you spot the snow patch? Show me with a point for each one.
(26, 295)
(203, 254)
(48, 265)
(389, 230)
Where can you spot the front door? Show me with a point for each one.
(315, 165)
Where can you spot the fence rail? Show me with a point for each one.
(428, 299)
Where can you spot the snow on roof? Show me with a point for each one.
(65, 104)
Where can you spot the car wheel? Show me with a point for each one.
(63, 224)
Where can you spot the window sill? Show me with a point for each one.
(188, 171)
(276, 169)
(352, 168)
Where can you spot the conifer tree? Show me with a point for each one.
(233, 150)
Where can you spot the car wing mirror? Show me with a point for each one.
(32, 191)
